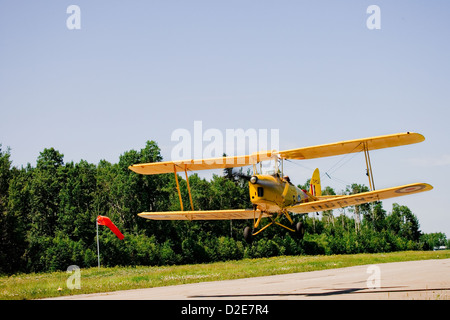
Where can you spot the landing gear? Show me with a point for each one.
(248, 236)
(249, 232)
(300, 230)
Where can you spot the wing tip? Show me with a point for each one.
(418, 137)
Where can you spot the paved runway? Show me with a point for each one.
(417, 280)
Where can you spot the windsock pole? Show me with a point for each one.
(98, 246)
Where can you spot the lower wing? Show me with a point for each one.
(359, 198)
(204, 215)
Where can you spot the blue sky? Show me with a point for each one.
(138, 70)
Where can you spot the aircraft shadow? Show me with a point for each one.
(329, 292)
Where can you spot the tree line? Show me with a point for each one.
(48, 218)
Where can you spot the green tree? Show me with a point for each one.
(5, 177)
(17, 220)
(8, 223)
(403, 222)
(358, 210)
(327, 215)
(376, 217)
(46, 183)
(202, 195)
(132, 193)
(433, 240)
(76, 201)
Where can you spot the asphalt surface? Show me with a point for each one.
(414, 280)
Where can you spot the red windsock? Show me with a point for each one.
(105, 221)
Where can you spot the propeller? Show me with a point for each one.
(237, 174)
(240, 175)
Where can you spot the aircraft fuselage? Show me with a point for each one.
(271, 193)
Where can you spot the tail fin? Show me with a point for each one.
(314, 185)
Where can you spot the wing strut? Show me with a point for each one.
(188, 187)
(369, 167)
(178, 186)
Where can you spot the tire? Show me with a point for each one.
(300, 230)
(248, 237)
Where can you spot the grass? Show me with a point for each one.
(92, 280)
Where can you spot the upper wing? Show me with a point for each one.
(352, 146)
(325, 150)
(203, 215)
(359, 198)
(200, 164)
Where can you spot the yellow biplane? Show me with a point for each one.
(272, 194)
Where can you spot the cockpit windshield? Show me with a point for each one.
(269, 167)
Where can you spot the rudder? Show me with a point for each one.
(314, 185)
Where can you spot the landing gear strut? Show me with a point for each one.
(299, 232)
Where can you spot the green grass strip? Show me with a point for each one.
(94, 280)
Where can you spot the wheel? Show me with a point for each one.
(300, 230)
(248, 234)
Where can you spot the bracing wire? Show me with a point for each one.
(329, 171)
(300, 165)
(344, 160)
(349, 156)
(336, 166)
(345, 183)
